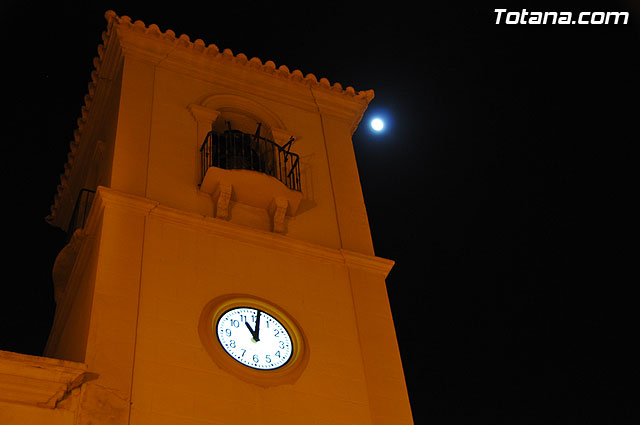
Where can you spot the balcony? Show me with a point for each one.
(255, 170)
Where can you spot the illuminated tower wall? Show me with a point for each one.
(158, 237)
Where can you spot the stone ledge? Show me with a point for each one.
(256, 237)
(39, 381)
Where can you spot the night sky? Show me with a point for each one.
(504, 186)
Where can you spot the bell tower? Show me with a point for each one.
(220, 267)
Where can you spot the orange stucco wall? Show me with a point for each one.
(160, 266)
(157, 151)
(184, 267)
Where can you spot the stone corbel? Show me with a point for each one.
(278, 212)
(222, 198)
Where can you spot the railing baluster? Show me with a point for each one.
(229, 151)
(251, 152)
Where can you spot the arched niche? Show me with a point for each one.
(242, 121)
(244, 111)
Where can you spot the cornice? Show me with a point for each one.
(263, 239)
(209, 63)
(114, 198)
(339, 108)
(170, 42)
(368, 262)
(106, 65)
(39, 381)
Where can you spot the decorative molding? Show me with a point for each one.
(183, 42)
(376, 264)
(108, 197)
(203, 114)
(335, 107)
(39, 381)
(242, 104)
(256, 237)
(106, 64)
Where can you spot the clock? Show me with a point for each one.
(254, 339)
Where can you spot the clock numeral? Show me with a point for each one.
(275, 348)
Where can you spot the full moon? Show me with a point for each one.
(377, 124)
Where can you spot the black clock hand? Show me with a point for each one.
(253, 333)
(257, 335)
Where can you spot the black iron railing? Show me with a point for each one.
(80, 211)
(235, 150)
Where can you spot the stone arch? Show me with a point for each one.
(244, 111)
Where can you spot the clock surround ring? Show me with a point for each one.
(286, 374)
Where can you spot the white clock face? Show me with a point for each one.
(254, 338)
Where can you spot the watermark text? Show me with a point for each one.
(525, 17)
